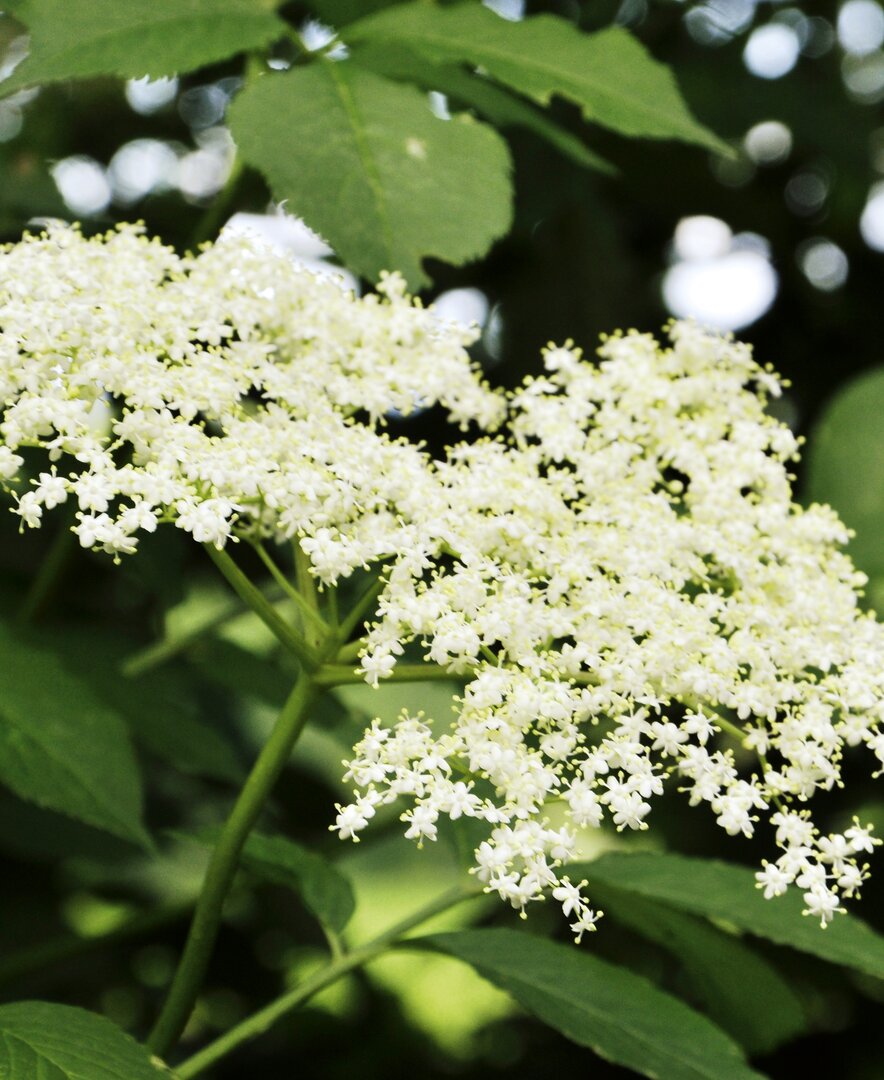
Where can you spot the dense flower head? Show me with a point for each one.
(615, 569)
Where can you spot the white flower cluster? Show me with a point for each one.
(219, 391)
(616, 569)
(633, 600)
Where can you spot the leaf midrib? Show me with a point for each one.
(372, 174)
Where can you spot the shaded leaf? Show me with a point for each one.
(326, 893)
(73, 39)
(159, 708)
(845, 465)
(720, 890)
(61, 747)
(621, 1016)
(367, 165)
(739, 989)
(610, 75)
(58, 1042)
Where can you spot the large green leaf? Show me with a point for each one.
(365, 162)
(40, 1041)
(341, 12)
(475, 91)
(621, 1016)
(610, 75)
(845, 465)
(73, 39)
(719, 968)
(720, 890)
(326, 893)
(61, 747)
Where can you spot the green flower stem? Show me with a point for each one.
(308, 610)
(350, 651)
(341, 674)
(262, 607)
(49, 575)
(361, 608)
(306, 583)
(223, 864)
(262, 1020)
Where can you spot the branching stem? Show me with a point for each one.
(265, 1018)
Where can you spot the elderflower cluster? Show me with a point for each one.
(615, 569)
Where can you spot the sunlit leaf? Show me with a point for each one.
(610, 75)
(367, 165)
(72, 39)
(489, 99)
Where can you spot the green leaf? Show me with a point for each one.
(160, 708)
(61, 747)
(73, 39)
(610, 75)
(621, 1016)
(492, 101)
(366, 164)
(719, 968)
(845, 465)
(720, 890)
(326, 893)
(341, 12)
(39, 1041)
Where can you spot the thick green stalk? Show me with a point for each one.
(223, 864)
(262, 1020)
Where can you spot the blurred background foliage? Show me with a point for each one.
(783, 243)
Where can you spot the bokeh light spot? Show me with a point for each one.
(768, 143)
(871, 224)
(823, 263)
(723, 281)
(83, 184)
(861, 26)
(772, 50)
(146, 96)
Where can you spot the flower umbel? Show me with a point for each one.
(615, 570)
